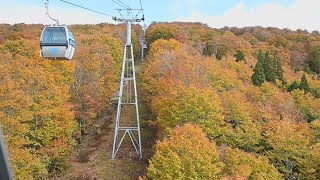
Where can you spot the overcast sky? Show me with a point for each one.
(293, 14)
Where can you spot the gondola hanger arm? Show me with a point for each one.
(47, 12)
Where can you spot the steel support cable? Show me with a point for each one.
(86, 8)
(141, 7)
(141, 10)
(124, 4)
(121, 4)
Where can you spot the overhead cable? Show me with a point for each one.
(141, 7)
(121, 4)
(86, 8)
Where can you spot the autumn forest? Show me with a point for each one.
(230, 103)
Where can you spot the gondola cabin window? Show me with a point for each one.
(55, 35)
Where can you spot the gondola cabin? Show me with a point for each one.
(57, 43)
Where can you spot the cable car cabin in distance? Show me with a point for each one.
(57, 43)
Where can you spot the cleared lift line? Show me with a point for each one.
(129, 84)
(128, 81)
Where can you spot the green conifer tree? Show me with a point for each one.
(240, 56)
(278, 71)
(219, 55)
(258, 76)
(261, 57)
(293, 86)
(314, 57)
(268, 68)
(304, 85)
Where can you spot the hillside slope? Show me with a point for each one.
(231, 103)
(253, 93)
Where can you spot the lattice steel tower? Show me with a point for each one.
(128, 96)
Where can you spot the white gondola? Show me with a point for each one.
(57, 43)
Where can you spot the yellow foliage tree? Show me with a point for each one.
(241, 165)
(290, 144)
(190, 105)
(185, 154)
(309, 106)
(240, 114)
